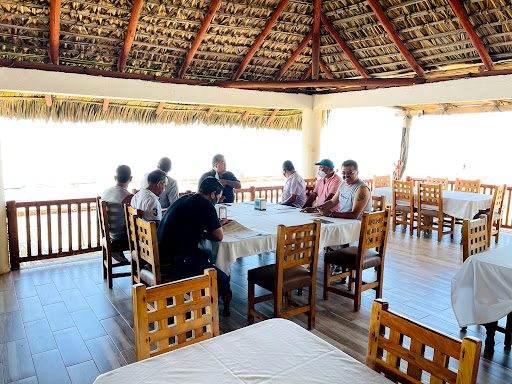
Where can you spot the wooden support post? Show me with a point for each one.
(260, 39)
(272, 116)
(294, 56)
(130, 34)
(105, 104)
(210, 111)
(246, 115)
(54, 31)
(4, 251)
(48, 100)
(160, 108)
(12, 230)
(312, 121)
(404, 147)
(315, 55)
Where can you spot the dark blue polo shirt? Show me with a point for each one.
(228, 190)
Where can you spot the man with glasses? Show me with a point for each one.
(353, 195)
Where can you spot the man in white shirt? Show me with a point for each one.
(147, 198)
(171, 193)
(294, 191)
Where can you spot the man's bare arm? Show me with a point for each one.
(216, 235)
(309, 201)
(233, 184)
(290, 200)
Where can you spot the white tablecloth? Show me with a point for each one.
(482, 288)
(273, 351)
(461, 205)
(225, 253)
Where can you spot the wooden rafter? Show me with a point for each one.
(210, 111)
(306, 74)
(54, 31)
(130, 34)
(260, 39)
(272, 116)
(48, 100)
(246, 115)
(160, 108)
(343, 46)
(326, 70)
(470, 30)
(395, 38)
(315, 54)
(294, 56)
(214, 6)
(105, 104)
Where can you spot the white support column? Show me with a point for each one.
(312, 121)
(4, 255)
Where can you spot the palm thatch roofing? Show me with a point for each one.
(93, 33)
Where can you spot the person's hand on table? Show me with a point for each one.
(309, 209)
(221, 199)
(324, 211)
(225, 221)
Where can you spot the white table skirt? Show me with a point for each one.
(482, 288)
(272, 351)
(461, 205)
(226, 252)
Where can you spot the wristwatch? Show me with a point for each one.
(331, 214)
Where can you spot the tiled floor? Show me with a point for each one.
(61, 323)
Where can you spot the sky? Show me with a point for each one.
(50, 159)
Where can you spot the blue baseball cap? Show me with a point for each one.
(326, 163)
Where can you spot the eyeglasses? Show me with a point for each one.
(349, 173)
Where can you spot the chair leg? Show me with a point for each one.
(498, 227)
(312, 303)
(452, 227)
(418, 229)
(411, 224)
(109, 271)
(287, 300)
(278, 303)
(250, 303)
(104, 259)
(394, 222)
(327, 272)
(440, 229)
(357, 293)
(378, 290)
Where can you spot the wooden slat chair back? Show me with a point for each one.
(430, 207)
(381, 181)
(472, 186)
(378, 203)
(414, 351)
(369, 253)
(297, 247)
(180, 313)
(244, 194)
(474, 237)
(130, 214)
(147, 247)
(108, 262)
(438, 180)
(496, 214)
(310, 182)
(403, 204)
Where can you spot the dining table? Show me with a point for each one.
(261, 233)
(272, 351)
(461, 205)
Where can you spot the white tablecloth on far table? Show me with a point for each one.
(482, 288)
(273, 351)
(225, 253)
(461, 205)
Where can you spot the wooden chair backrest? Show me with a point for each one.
(147, 246)
(184, 193)
(374, 232)
(472, 186)
(403, 192)
(438, 180)
(103, 219)
(378, 203)
(429, 196)
(310, 182)
(244, 194)
(183, 312)
(381, 181)
(407, 357)
(497, 199)
(474, 236)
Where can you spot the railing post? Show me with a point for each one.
(253, 193)
(12, 231)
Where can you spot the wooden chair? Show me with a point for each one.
(297, 247)
(403, 204)
(474, 237)
(369, 253)
(430, 208)
(381, 181)
(130, 214)
(495, 214)
(174, 315)
(438, 180)
(378, 203)
(407, 359)
(310, 182)
(472, 186)
(108, 247)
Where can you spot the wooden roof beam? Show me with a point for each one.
(326, 70)
(470, 30)
(160, 108)
(130, 34)
(105, 104)
(214, 6)
(48, 100)
(272, 116)
(350, 55)
(394, 36)
(54, 31)
(246, 115)
(210, 111)
(260, 39)
(315, 55)
(306, 74)
(294, 56)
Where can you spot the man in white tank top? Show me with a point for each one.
(354, 195)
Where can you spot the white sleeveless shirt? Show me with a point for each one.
(347, 194)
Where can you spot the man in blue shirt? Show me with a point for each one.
(226, 178)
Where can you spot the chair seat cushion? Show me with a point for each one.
(403, 208)
(293, 278)
(146, 276)
(346, 257)
(430, 213)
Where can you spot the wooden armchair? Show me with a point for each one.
(438, 180)
(403, 204)
(297, 247)
(108, 247)
(495, 214)
(180, 313)
(378, 203)
(381, 181)
(369, 253)
(472, 186)
(474, 237)
(407, 359)
(430, 211)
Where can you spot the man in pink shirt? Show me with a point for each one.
(326, 187)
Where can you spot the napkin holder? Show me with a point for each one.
(260, 204)
(222, 212)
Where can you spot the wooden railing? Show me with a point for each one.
(41, 230)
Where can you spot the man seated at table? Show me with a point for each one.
(294, 191)
(353, 195)
(325, 188)
(147, 198)
(190, 218)
(226, 178)
(116, 197)
(171, 193)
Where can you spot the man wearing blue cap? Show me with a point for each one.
(325, 188)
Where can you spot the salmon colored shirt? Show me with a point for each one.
(325, 186)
